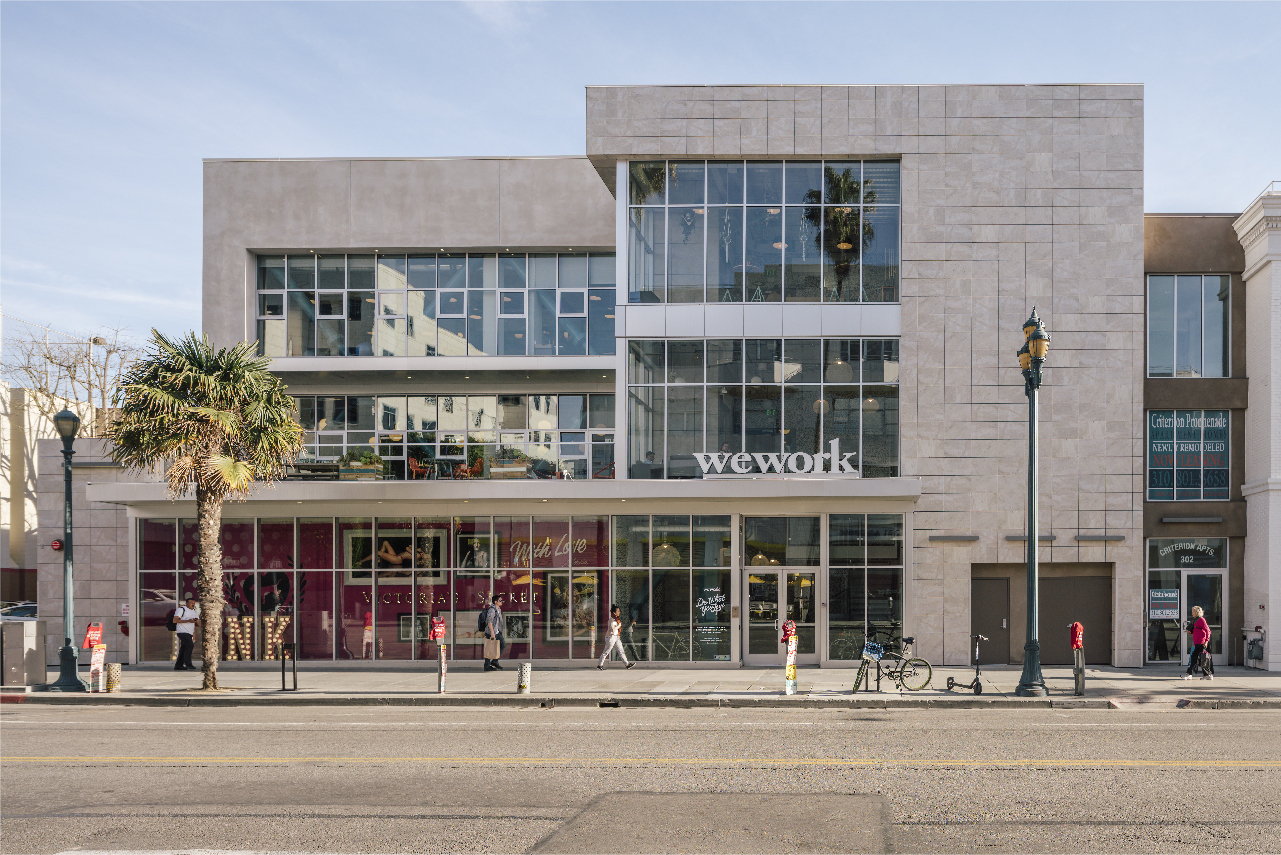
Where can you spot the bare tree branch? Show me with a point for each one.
(60, 370)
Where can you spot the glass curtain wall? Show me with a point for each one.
(430, 437)
(763, 405)
(764, 232)
(358, 588)
(436, 304)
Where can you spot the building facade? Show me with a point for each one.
(751, 359)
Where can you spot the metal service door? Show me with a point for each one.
(1205, 588)
(774, 596)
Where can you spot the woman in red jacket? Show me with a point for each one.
(1200, 657)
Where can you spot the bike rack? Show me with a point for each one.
(292, 649)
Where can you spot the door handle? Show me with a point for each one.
(1003, 626)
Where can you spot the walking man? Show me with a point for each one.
(185, 618)
(613, 640)
(494, 633)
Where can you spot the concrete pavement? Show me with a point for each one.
(415, 684)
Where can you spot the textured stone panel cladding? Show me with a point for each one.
(1013, 197)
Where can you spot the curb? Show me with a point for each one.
(534, 701)
(1227, 704)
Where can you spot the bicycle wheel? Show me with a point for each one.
(916, 674)
(858, 678)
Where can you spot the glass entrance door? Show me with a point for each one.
(1204, 588)
(775, 596)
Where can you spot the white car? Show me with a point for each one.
(21, 611)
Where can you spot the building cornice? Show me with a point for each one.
(1260, 229)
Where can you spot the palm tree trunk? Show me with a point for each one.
(209, 522)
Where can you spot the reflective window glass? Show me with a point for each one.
(685, 255)
(421, 271)
(571, 270)
(601, 329)
(764, 183)
(332, 272)
(451, 271)
(725, 183)
(645, 362)
(271, 272)
(360, 272)
(647, 182)
(804, 183)
(601, 269)
(685, 184)
(391, 272)
(685, 362)
(302, 272)
(511, 271)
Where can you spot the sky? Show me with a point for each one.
(106, 109)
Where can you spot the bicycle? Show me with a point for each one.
(675, 647)
(905, 670)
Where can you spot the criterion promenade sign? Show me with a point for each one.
(743, 465)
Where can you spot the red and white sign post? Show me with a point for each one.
(789, 636)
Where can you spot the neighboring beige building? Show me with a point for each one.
(1259, 230)
(21, 426)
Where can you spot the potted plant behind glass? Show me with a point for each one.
(359, 465)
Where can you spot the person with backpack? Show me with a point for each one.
(1200, 658)
(491, 622)
(184, 621)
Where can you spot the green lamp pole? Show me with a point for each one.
(68, 425)
(1031, 358)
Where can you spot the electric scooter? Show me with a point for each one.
(977, 685)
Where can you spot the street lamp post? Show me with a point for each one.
(1031, 358)
(68, 424)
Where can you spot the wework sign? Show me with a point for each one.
(728, 465)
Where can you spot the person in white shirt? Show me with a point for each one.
(185, 618)
(613, 640)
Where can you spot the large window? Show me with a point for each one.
(865, 582)
(362, 588)
(466, 304)
(763, 232)
(763, 405)
(1188, 455)
(1188, 322)
(429, 437)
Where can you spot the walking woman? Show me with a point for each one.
(1200, 657)
(613, 640)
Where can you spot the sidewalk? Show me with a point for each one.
(415, 684)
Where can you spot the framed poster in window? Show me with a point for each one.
(429, 555)
(474, 554)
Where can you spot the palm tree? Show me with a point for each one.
(213, 419)
(841, 232)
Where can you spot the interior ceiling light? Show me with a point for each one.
(845, 246)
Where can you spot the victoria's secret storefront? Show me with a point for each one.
(359, 588)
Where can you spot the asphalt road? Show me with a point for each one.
(345, 779)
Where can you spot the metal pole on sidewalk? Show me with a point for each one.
(441, 668)
(68, 425)
(291, 650)
(1031, 358)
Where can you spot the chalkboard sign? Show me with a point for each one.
(1187, 455)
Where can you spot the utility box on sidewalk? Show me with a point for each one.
(22, 659)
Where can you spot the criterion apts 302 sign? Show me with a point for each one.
(756, 465)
